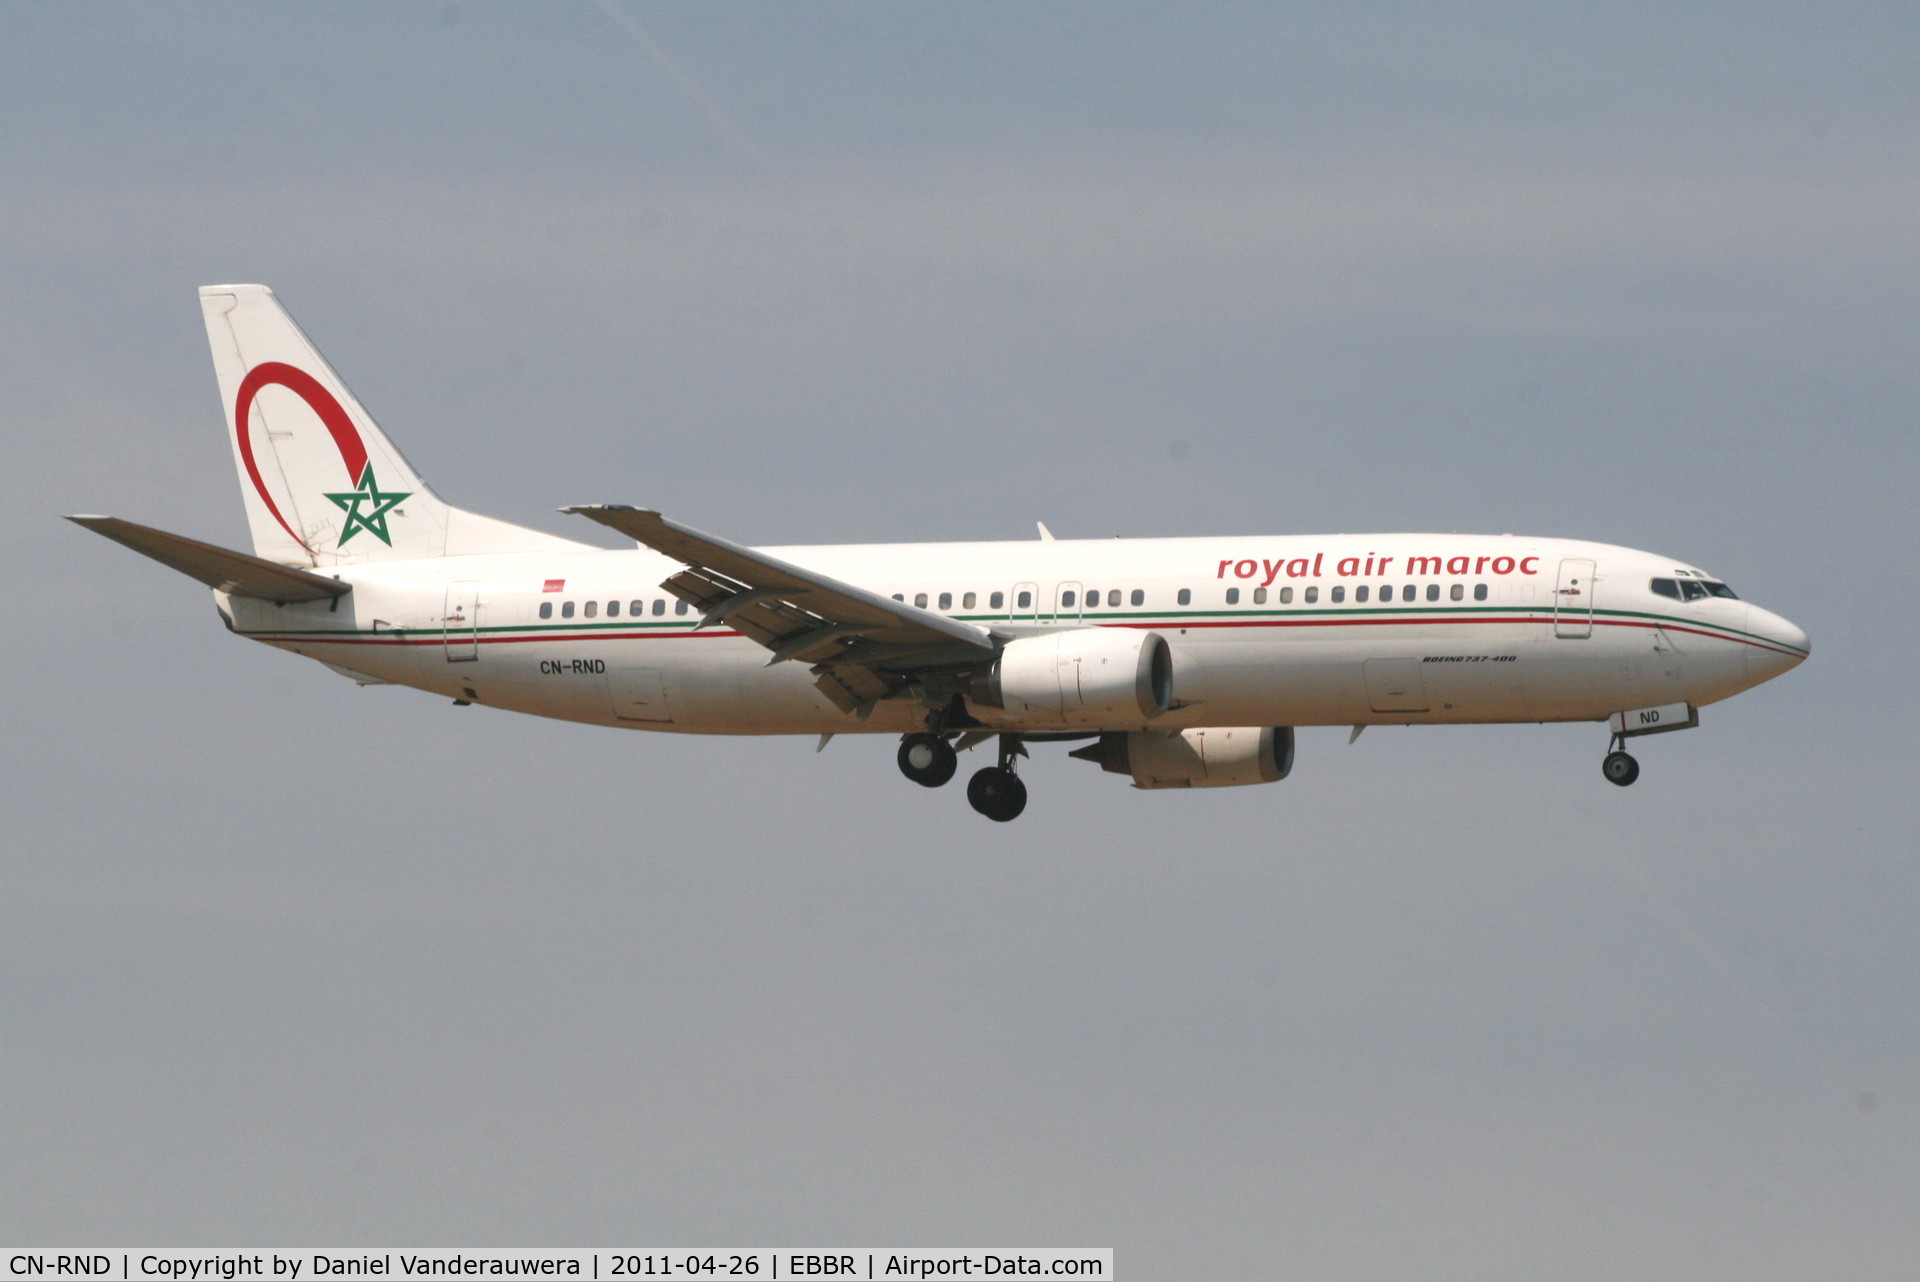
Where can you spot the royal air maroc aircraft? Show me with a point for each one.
(1181, 662)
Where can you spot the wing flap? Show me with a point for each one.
(778, 603)
(227, 571)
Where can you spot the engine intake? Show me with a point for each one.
(1080, 677)
(1210, 757)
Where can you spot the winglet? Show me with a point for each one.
(1046, 535)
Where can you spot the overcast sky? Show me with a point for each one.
(288, 961)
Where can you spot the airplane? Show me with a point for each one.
(1179, 662)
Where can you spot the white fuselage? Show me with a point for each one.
(1271, 630)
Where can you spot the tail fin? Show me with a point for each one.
(322, 483)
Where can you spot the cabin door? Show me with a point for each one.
(1573, 600)
(461, 621)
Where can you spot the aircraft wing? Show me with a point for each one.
(217, 567)
(862, 646)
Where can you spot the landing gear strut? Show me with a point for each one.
(927, 759)
(997, 792)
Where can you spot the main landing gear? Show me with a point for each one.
(996, 792)
(927, 759)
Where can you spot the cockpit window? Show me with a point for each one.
(1691, 589)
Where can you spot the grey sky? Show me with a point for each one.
(290, 961)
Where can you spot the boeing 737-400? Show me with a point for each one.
(1182, 662)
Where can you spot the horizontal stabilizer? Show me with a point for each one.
(232, 572)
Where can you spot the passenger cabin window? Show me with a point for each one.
(679, 607)
(1313, 594)
(1113, 597)
(660, 606)
(546, 609)
(899, 597)
(1360, 594)
(566, 609)
(635, 607)
(593, 608)
(1410, 593)
(1233, 596)
(1139, 597)
(1479, 591)
(1093, 598)
(1186, 596)
(1259, 596)
(1066, 600)
(1339, 593)
(920, 600)
(1433, 591)
(1286, 596)
(1024, 600)
(946, 600)
(1456, 592)
(613, 608)
(997, 601)
(1386, 594)
(966, 602)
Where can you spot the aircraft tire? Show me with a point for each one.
(998, 794)
(1620, 769)
(927, 759)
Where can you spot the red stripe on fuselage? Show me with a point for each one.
(324, 639)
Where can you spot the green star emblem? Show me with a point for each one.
(373, 518)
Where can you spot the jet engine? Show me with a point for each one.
(1082, 677)
(1211, 757)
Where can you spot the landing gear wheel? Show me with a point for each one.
(1620, 769)
(996, 793)
(927, 759)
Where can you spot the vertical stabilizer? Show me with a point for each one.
(322, 483)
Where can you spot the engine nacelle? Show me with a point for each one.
(1082, 677)
(1210, 757)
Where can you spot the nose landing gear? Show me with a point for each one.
(1619, 768)
(997, 792)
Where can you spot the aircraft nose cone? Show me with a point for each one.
(1782, 645)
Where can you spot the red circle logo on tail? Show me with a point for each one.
(346, 437)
